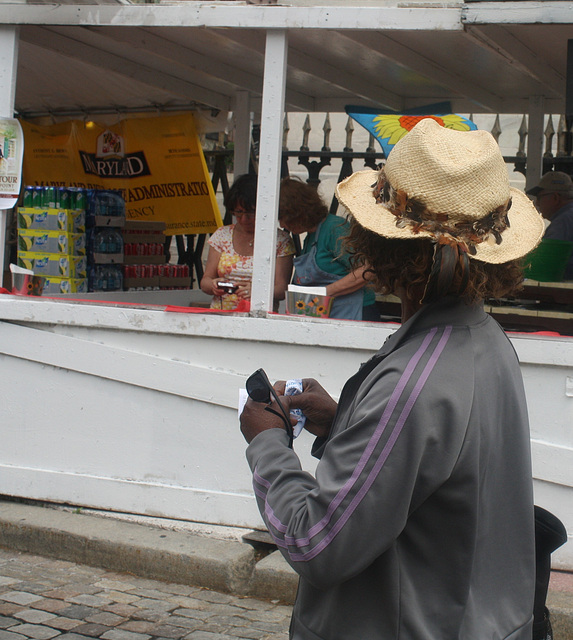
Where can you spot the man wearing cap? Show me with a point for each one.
(554, 199)
(418, 523)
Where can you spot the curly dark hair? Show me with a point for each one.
(301, 202)
(243, 193)
(406, 264)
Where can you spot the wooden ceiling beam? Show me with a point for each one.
(504, 43)
(404, 56)
(69, 47)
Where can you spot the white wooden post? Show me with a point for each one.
(243, 126)
(534, 166)
(8, 67)
(270, 150)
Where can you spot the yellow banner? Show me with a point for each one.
(157, 163)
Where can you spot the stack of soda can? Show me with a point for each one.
(47, 197)
(173, 270)
(152, 270)
(162, 276)
(140, 270)
(174, 276)
(143, 249)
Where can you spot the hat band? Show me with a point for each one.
(412, 213)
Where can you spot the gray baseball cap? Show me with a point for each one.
(554, 182)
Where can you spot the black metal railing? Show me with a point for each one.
(220, 162)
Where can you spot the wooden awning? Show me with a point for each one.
(481, 56)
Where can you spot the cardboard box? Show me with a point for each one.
(53, 264)
(52, 242)
(144, 231)
(145, 225)
(141, 283)
(144, 237)
(107, 258)
(144, 259)
(72, 221)
(65, 285)
(106, 221)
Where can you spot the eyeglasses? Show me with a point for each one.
(240, 214)
(260, 389)
(542, 195)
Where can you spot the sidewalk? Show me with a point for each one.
(230, 566)
(47, 599)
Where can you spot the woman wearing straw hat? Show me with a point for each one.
(419, 521)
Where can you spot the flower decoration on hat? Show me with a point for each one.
(413, 214)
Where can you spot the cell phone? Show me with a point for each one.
(228, 287)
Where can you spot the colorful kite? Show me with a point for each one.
(389, 126)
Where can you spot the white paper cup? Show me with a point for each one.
(25, 283)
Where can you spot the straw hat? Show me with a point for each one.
(449, 186)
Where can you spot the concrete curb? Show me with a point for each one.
(560, 604)
(273, 575)
(150, 552)
(184, 558)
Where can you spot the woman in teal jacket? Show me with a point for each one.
(323, 261)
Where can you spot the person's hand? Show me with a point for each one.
(244, 289)
(316, 404)
(255, 419)
(217, 291)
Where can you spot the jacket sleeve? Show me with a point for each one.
(395, 444)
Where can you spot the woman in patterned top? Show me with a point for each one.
(230, 258)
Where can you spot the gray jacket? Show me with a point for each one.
(419, 523)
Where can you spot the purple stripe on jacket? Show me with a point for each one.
(276, 523)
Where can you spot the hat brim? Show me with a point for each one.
(526, 226)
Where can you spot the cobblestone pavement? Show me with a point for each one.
(42, 598)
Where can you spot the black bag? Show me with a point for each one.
(550, 534)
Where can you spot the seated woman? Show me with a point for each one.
(229, 268)
(323, 261)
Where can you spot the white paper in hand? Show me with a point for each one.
(293, 388)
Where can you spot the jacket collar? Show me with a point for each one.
(447, 311)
